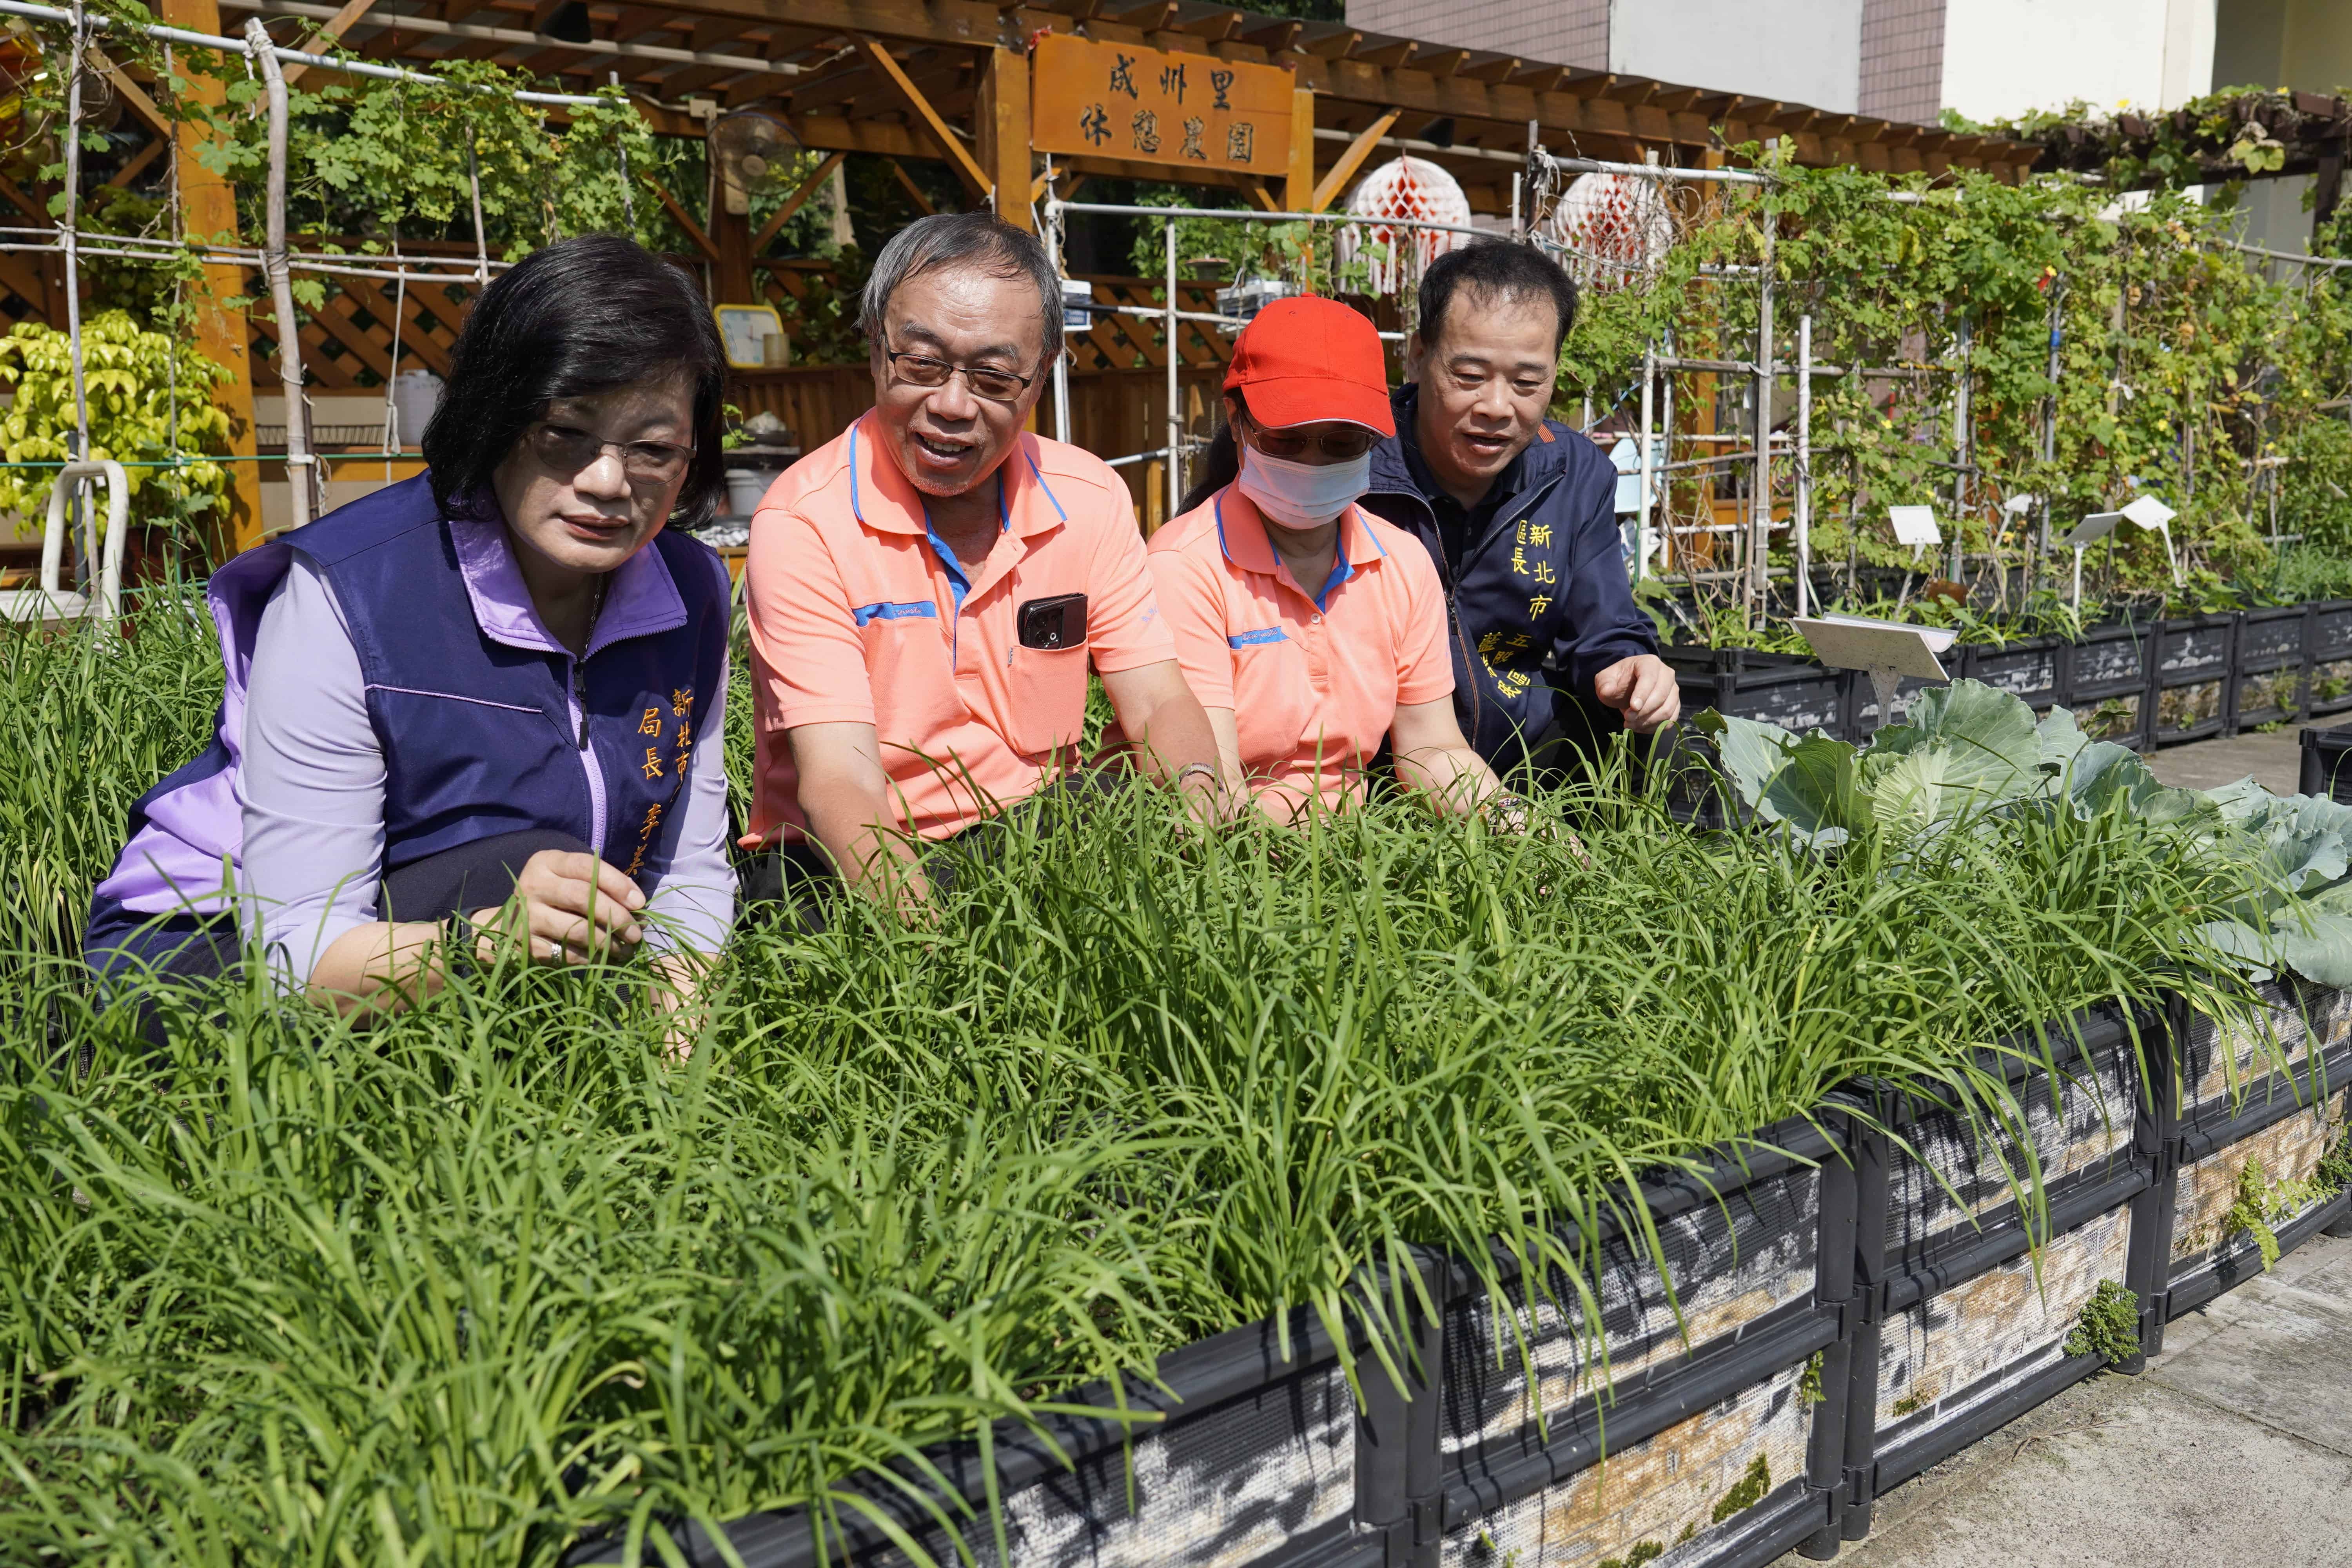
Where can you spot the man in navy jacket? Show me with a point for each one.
(1518, 512)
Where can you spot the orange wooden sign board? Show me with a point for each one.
(1156, 106)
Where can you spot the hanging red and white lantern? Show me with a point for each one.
(1408, 188)
(1615, 229)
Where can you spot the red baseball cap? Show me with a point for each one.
(1301, 360)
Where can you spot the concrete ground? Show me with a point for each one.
(2274, 760)
(2232, 1450)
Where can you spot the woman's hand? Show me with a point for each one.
(567, 908)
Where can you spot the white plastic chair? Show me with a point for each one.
(51, 601)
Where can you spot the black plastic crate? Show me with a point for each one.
(1959, 1360)
(2327, 763)
(2106, 677)
(2328, 669)
(1862, 718)
(1245, 1456)
(1774, 688)
(2268, 639)
(2273, 652)
(1961, 1334)
(2191, 678)
(2260, 1105)
(2030, 669)
(1710, 1422)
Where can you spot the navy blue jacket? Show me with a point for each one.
(487, 728)
(1542, 598)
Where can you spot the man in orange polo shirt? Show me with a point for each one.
(928, 591)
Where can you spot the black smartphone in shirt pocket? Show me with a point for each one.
(1055, 623)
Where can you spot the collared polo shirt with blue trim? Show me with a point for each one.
(1314, 680)
(860, 613)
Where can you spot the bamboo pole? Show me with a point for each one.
(68, 235)
(301, 466)
(1665, 503)
(474, 189)
(1061, 330)
(1760, 511)
(1649, 464)
(1963, 446)
(1175, 414)
(1802, 516)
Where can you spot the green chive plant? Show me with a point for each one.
(495, 1273)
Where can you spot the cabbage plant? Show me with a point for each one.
(1969, 753)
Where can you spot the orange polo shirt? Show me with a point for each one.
(1314, 679)
(857, 618)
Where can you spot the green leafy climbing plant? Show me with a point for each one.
(2181, 372)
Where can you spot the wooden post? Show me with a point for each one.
(731, 233)
(1003, 117)
(209, 211)
(1298, 188)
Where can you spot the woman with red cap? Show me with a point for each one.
(1311, 630)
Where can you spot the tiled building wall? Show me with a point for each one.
(1557, 32)
(1902, 59)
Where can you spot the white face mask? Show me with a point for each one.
(1302, 495)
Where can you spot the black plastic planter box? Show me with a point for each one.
(2238, 1105)
(2190, 684)
(2267, 682)
(1774, 688)
(2030, 669)
(2326, 764)
(2328, 683)
(1254, 1461)
(2107, 682)
(1851, 1302)
(1718, 1438)
(1966, 1325)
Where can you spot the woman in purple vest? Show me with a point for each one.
(480, 706)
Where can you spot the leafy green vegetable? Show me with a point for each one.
(1969, 752)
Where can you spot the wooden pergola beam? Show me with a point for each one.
(1336, 179)
(793, 202)
(966, 166)
(684, 219)
(328, 31)
(133, 95)
(914, 191)
(972, 23)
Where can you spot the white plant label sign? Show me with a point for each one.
(1915, 525)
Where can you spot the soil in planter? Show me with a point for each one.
(2279, 690)
(2186, 707)
(2111, 718)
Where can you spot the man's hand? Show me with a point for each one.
(567, 908)
(1642, 688)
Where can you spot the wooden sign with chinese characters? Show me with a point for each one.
(1153, 105)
